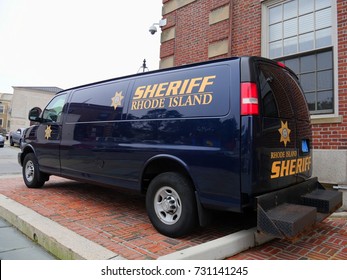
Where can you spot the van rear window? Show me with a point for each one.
(281, 95)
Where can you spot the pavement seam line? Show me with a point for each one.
(58, 240)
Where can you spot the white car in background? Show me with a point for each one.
(16, 136)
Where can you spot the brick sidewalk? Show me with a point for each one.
(328, 241)
(112, 219)
(119, 222)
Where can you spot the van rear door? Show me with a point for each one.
(278, 125)
(281, 131)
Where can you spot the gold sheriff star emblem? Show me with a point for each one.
(117, 100)
(48, 132)
(285, 132)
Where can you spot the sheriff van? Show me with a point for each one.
(231, 135)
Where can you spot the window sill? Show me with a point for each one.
(326, 119)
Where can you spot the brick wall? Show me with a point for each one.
(193, 32)
(246, 28)
(242, 30)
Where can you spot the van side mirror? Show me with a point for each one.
(34, 114)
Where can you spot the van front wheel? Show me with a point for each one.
(171, 204)
(32, 176)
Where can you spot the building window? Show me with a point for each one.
(299, 33)
(2, 110)
(1, 121)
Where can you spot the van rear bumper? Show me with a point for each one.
(288, 212)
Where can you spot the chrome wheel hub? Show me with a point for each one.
(167, 205)
(29, 171)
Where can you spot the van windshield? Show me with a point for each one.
(281, 94)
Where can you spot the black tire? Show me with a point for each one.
(11, 142)
(171, 204)
(32, 176)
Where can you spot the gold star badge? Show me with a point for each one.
(117, 100)
(284, 131)
(48, 132)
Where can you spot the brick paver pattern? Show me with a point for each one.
(328, 241)
(115, 220)
(119, 222)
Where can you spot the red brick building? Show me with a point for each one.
(309, 36)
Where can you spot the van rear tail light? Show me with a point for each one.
(249, 99)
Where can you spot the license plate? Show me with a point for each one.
(304, 146)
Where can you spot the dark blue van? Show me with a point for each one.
(232, 135)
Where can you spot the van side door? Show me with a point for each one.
(92, 133)
(48, 135)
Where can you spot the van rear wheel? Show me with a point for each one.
(171, 204)
(32, 176)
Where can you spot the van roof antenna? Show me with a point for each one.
(143, 67)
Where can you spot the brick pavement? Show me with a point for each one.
(328, 241)
(119, 222)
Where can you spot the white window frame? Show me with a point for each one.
(266, 4)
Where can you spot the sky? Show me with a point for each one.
(66, 43)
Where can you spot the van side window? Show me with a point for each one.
(54, 109)
(98, 103)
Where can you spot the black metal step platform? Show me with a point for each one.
(291, 211)
(324, 200)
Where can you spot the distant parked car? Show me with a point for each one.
(16, 136)
(2, 141)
